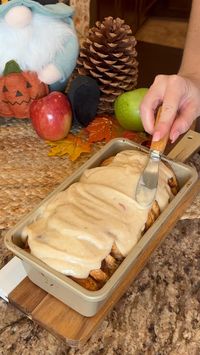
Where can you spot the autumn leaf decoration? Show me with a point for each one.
(101, 129)
(72, 146)
(105, 128)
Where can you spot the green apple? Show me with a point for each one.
(126, 109)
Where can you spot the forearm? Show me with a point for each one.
(190, 65)
(179, 94)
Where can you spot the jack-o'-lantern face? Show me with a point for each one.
(17, 90)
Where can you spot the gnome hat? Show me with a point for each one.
(52, 9)
(84, 95)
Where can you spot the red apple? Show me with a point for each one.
(51, 116)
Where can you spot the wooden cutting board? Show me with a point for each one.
(67, 324)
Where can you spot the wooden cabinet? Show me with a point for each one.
(144, 7)
(172, 8)
(134, 12)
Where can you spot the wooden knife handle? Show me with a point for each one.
(161, 144)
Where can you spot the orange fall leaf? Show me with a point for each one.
(103, 128)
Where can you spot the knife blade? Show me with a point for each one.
(148, 181)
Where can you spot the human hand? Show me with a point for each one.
(180, 99)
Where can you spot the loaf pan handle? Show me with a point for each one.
(186, 147)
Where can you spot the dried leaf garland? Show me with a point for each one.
(72, 146)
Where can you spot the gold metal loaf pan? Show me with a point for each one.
(86, 302)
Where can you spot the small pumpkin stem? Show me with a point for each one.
(11, 67)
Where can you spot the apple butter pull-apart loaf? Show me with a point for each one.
(87, 230)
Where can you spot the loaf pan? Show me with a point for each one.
(88, 303)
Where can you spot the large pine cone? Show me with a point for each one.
(109, 56)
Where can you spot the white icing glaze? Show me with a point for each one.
(76, 229)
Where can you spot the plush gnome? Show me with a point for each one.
(40, 37)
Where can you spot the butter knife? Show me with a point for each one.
(148, 181)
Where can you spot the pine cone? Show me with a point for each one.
(109, 56)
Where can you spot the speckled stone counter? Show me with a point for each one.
(160, 312)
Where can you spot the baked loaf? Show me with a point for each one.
(86, 231)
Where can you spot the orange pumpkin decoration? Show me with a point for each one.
(18, 89)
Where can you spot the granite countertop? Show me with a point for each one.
(160, 312)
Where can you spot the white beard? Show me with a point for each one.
(34, 46)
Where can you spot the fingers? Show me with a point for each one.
(179, 96)
(183, 122)
(151, 101)
(171, 102)
(171, 91)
